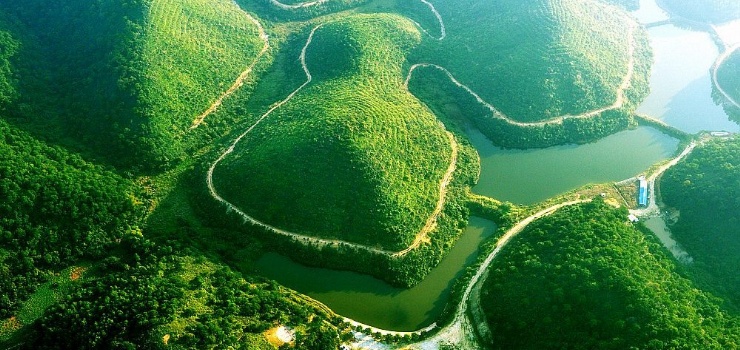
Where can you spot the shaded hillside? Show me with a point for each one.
(584, 278)
(540, 59)
(353, 156)
(706, 190)
(127, 79)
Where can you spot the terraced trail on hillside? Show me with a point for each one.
(241, 78)
(618, 103)
(298, 5)
(420, 237)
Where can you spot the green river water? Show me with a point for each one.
(681, 97)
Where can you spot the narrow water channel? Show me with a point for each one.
(374, 302)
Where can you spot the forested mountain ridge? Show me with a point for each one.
(586, 278)
(129, 77)
(705, 189)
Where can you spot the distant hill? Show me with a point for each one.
(353, 156)
(706, 190)
(585, 278)
(538, 59)
(714, 11)
(127, 79)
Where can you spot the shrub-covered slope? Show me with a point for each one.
(353, 156)
(539, 59)
(128, 78)
(584, 278)
(706, 190)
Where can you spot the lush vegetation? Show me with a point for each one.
(536, 60)
(584, 278)
(56, 209)
(715, 11)
(705, 188)
(128, 77)
(353, 156)
(149, 297)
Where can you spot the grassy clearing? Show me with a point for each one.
(353, 156)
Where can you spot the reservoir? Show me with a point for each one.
(372, 301)
(680, 83)
(681, 96)
(530, 176)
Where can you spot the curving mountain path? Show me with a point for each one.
(297, 6)
(240, 79)
(442, 28)
(419, 238)
(618, 103)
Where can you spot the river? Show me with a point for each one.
(681, 96)
(680, 84)
(372, 301)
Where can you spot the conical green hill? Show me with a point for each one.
(354, 156)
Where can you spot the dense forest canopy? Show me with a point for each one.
(705, 189)
(585, 278)
(56, 209)
(110, 236)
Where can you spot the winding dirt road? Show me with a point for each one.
(419, 238)
(652, 207)
(297, 6)
(240, 79)
(618, 103)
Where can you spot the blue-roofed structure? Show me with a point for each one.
(642, 194)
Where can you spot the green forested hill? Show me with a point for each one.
(56, 208)
(706, 190)
(539, 59)
(584, 278)
(130, 77)
(715, 11)
(728, 76)
(151, 298)
(353, 156)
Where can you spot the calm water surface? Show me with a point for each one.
(371, 301)
(530, 176)
(681, 96)
(680, 82)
